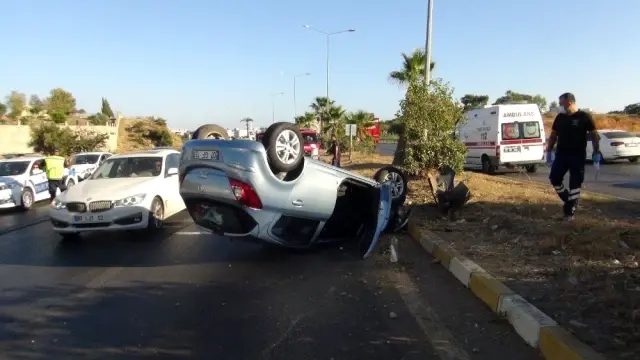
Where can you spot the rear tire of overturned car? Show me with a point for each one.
(399, 188)
(210, 131)
(284, 145)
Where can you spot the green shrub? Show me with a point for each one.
(48, 136)
(429, 115)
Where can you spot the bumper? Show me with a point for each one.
(627, 153)
(10, 198)
(115, 219)
(495, 161)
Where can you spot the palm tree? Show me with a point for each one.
(335, 120)
(321, 107)
(362, 119)
(412, 68)
(307, 120)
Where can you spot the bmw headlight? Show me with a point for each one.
(130, 200)
(58, 205)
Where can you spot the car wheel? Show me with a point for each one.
(284, 145)
(156, 215)
(27, 199)
(210, 131)
(633, 159)
(70, 237)
(399, 183)
(531, 168)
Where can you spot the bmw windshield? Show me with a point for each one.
(128, 167)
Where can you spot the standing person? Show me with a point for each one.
(54, 166)
(335, 147)
(570, 129)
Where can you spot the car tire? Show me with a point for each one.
(210, 131)
(70, 237)
(531, 168)
(156, 215)
(283, 133)
(633, 159)
(26, 199)
(399, 183)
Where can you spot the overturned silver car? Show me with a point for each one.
(269, 192)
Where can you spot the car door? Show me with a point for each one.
(38, 180)
(171, 188)
(379, 218)
(589, 147)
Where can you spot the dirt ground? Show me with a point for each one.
(584, 274)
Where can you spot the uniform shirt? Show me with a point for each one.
(54, 166)
(572, 132)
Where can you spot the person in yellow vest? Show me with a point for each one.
(54, 166)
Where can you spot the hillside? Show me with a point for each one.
(144, 134)
(630, 123)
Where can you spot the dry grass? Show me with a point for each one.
(630, 123)
(129, 141)
(583, 273)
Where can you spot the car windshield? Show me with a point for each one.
(617, 135)
(310, 138)
(13, 168)
(84, 159)
(128, 167)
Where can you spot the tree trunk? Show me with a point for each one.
(400, 154)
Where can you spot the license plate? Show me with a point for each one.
(511, 149)
(88, 218)
(213, 155)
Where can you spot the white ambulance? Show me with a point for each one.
(510, 136)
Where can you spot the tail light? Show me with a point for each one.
(245, 194)
(617, 143)
(498, 151)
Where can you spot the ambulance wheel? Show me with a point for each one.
(487, 168)
(531, 168)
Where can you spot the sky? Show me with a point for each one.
(195, 61)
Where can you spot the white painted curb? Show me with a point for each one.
(462, 269)
(525, 318)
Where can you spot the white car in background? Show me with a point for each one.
(23, 182)
(87, 162)
(616, 145)
(127, 192)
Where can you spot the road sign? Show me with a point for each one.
(351, 129)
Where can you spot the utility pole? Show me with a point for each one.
(427, 47)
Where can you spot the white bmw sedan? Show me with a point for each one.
(127, 192)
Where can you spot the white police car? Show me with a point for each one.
(87, 162)
(23, 182)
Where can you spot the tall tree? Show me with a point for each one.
(61, 101)
(106, 108)
(3, 109)
(471, 101)
(632, 109)
(307, 120)
(17, 102)
(35, 104)
(412, 68)
(512, 97)
(321, 106)
(553, 105)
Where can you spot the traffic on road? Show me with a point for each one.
(173, 290)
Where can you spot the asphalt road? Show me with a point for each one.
(620, 179)
(185, 295)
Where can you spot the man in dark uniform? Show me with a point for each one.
(570, 129)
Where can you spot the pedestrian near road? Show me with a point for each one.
(335, 148)
(54, 166)
(569, 130)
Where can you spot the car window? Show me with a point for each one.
(617, 135)
(173, 161)
(82, 159)
(13, 168)
(143, 166)
(521, 130)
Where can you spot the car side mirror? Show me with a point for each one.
(172, 171)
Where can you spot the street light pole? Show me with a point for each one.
(273, 106)
(328, 37)
(427, 47)
(295, 111)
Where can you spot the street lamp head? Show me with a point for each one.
(307, 26)
(307, 74)
(351, 30)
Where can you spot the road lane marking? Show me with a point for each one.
(441, 339)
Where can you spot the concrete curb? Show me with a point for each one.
(534, 327)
